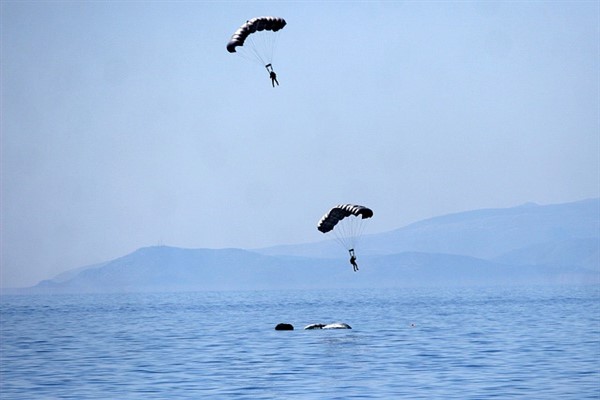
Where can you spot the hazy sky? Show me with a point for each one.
(127, 123)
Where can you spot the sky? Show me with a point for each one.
(127, 124)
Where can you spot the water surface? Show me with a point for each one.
(541, 343)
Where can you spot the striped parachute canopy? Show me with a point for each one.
(346, 221)
(256, 39)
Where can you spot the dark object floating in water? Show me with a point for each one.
(314, 326)
(336, 325)
(284, 327)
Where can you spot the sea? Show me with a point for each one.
(424, 343)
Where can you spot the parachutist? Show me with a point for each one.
(265, 30)
(272, 75)
(353, 260)
(350, 217)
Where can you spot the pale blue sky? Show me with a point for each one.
(128, 124)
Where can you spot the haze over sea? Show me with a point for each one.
(463, 343)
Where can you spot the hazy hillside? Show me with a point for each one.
(168, 268)
(521, 245)
(574, 252)
(485, 233)
(173, 269)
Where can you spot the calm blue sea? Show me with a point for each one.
(506, 343)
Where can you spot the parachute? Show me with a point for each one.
(346, 222)
(256, 39)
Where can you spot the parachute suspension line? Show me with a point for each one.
(267, 47)
(248, 54)
(256, 39)
(341, 235)
(348, 231)
(259, 47)
(360, 227)
(343, 240)
(273, 47)
(345, 223)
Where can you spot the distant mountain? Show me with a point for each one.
(430, 269)
(574, 252)
(70, 274)
(521, 245)
(163, 268)
(174, 269)
(484, 233)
